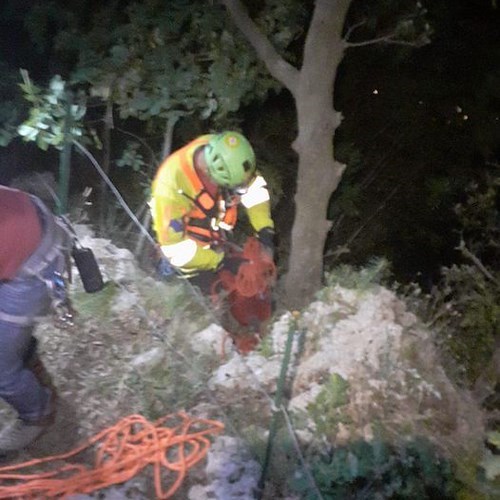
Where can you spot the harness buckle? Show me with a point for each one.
(61, 303)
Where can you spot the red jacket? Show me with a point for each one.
(20, 230)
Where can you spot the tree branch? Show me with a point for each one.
(352, 28)
(389, 39)
(154, 159)
(277, 66)
(467, 253)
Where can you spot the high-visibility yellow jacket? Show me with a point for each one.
(187, 219)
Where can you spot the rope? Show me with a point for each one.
(115, 191)
(268, 274)
(256, 275)
(175, 442)
(136, 221)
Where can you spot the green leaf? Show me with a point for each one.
(42, 143)
(57, 86)
(25, 130)
(493, 438)
(6, 137)
(491, 466)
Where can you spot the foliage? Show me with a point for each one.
(166, 384)
(265, 347)
(479, 215)
(8, 119)
(50, 111)
(491, 462)
(326, 411)
(464, 308)
(158, 62)
(96, 306)
(365, 470)
(10, 106)
(376, 271)
(131, 157)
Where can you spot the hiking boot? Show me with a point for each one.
(20, 434)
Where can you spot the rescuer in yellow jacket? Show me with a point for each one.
(195, 196)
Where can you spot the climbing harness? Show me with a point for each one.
(54, 247)
(211, 214)
(51, 253)
(61, 302)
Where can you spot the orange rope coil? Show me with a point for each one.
(175, 442)
(248, 294)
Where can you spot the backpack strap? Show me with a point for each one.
(56, 242)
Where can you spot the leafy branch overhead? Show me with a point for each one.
(175, 62)
(46, 123)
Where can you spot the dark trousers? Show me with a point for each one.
(21, 301)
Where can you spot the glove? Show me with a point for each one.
(164, 269)
(266, 238)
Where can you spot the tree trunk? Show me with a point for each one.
(318, 177)
(318, 172)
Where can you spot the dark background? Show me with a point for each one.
(419, 126)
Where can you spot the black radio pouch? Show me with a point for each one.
(88, 269)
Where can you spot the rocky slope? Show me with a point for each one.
(361, 365)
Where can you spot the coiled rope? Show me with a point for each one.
(175, 442)
(267, 274)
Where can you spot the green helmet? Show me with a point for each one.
(230, 159)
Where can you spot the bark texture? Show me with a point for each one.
(318, 174)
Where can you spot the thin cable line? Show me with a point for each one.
(201, 299)
(115, 191)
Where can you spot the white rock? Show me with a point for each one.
(148, 358)
(212, 339)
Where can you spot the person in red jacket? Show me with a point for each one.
(32, 252)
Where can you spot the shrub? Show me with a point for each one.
(377, 470)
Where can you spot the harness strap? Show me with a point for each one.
(56, 241)
(185, 164)
(202, 234)
(207, 208)
(203, 201)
